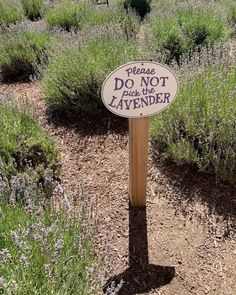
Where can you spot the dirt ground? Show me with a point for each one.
(183, 243)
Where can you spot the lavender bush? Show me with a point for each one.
(200, 127)
(186, 26)
(45, 239)
(68, 14)
(73, 80)
(33, 8)
(79, 16)
(43, 252)
(27, 156)
(20, 51)
(10, 12)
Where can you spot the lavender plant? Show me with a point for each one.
(10, 12)
(68, 14)
(20, 51)
(43, 252)
(232, 15)
(186, 29)
(200, 127)
(33, 8)
(73, 81)
(27, 156)
(45, 245)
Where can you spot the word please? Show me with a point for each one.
(140, 102)
(138, 71)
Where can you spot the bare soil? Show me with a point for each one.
(183, 243)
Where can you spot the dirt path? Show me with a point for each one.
(183, 243)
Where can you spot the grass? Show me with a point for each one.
(186, 30)
(42, 252)
(10, 12)
(33, 8)
(73, 81)
(20, 53)
(199, 128)
(23, 144)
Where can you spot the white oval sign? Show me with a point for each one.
(139, 89)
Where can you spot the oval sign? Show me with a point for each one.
(139, 89)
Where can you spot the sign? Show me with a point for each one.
(139, 89)
(136, 91)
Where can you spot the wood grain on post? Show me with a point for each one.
(138, 159)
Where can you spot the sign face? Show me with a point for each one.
(139, 89)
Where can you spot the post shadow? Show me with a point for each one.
(140, 276)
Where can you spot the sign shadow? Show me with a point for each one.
(140, 276)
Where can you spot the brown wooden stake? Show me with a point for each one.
(138, 159)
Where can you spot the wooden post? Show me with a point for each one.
(138, 159)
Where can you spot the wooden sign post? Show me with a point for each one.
(138, 160)
(136, 91)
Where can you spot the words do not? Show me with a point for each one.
(144, 82)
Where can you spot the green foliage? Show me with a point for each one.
(202, 27)
(10, 12)
(129, 22)
(73, 81)
(33, 8)
(23, 144)
(142, 7)
(232, 14)
(169, 37)
(68, 15)
(186, 30)
(200, 126)
(20, 52)
(42, 252)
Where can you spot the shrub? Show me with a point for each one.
(23, 145)
(43, 252)
(200, 127)
(232, 15)
(68, 15)
(33, 8)
(129, 22)
(20, 52)
(202, 27)
(170, 38)
(73, 81)
(187, 30)
(10, 12)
